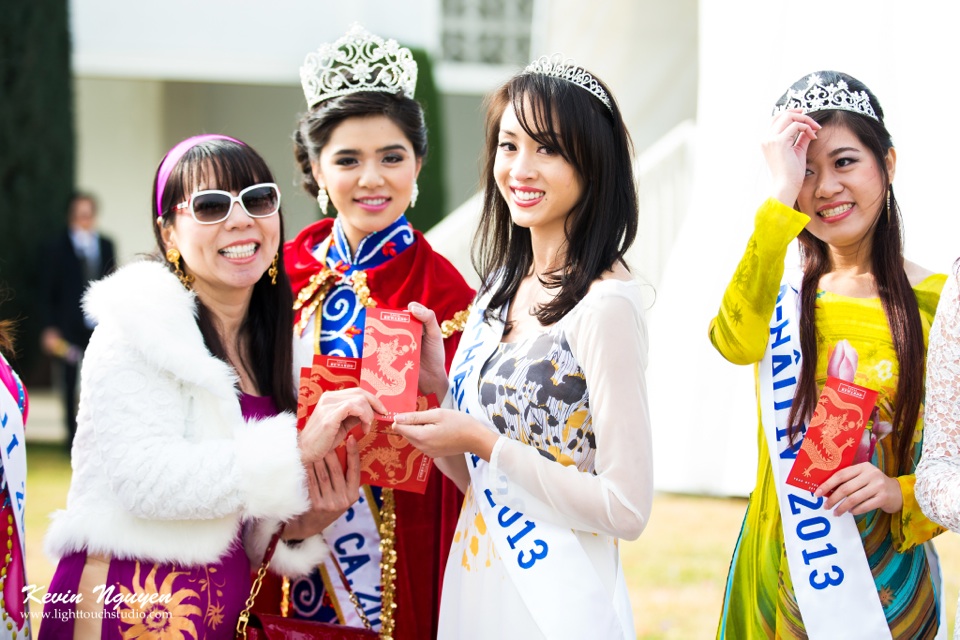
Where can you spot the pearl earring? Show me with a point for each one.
(323, 200)
(413, 195)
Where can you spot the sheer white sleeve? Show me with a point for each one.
(608, 337)
(938, 475)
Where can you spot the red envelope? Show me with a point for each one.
(387, 459)
(307, 397)
(389, 369)
(328, 373)
(391, 358)
(833, 434)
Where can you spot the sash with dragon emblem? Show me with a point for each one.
(832, 581)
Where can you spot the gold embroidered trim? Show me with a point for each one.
(388, 562)
(319, 285)
(285, 597)
(457, 323)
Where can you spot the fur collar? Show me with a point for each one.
(148, 307)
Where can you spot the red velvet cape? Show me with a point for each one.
(425, 523)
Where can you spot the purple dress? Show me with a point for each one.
(188, 602)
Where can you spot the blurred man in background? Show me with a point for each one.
(70, 262)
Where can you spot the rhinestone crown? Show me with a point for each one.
(818, 96)
(567, 69)
(358, 61)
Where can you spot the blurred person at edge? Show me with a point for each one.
(14, 406)
(855, 559)
(938, 474)
(72, 260)
(547, 392)
(360, 147)
(187, 456)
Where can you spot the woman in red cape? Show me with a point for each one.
(360, 148)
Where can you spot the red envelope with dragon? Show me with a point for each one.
(328, 373)
(391, 358)
(387, 459)
(830, 443)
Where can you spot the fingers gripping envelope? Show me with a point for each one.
(389, 369)
(835, 430)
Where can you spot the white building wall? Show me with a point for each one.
(119, 144)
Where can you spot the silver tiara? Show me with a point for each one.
(567, 69)
(358, 61)
(819, 97)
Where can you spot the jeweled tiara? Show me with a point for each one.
(358, 61)
(568, 70)
(818, 96)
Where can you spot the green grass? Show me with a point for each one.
(675, 571)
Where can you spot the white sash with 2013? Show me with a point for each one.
(545, 562)
(832, 581)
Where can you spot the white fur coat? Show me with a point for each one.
(165, 468)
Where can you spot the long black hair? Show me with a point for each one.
(896, 295)
(602, 224)
(232, 167)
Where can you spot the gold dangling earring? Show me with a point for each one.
(173, 257)
(323, 200)
(414, 194)
(272, 271)
(889, 196)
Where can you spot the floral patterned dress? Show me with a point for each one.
(759, 600)
(570, 406)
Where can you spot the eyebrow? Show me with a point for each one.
(507, 132)
(356, 152)
(840, 150)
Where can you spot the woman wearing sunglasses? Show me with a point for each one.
(360, 147)
(187, 457)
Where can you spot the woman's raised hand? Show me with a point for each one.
(433, 372)
(335, 415)
(785, 150)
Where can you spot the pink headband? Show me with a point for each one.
(173, 156)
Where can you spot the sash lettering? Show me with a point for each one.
(832, 580)
(546, 562)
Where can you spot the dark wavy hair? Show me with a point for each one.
(602, 224)
(896, 295)
(317, 125)
(268, 325)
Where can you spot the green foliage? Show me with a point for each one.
(431, 203)
(36, 154)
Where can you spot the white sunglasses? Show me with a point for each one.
(212, 205)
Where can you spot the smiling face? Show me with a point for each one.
(368, 168)
(843, 190)
(538, 184)
(224, 258)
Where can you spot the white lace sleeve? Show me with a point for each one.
(938, 475)
(608, 337)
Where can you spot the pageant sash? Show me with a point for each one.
(353, 539)
(354, 543)
(546, 562)
(832, 581)
(14, 456)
